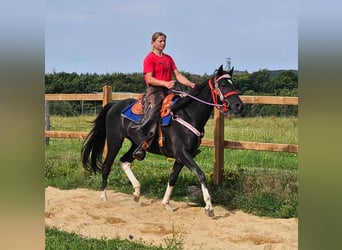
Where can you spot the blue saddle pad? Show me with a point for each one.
(127, 113)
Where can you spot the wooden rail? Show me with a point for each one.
(66, 134)
(218, 143)
(280, 100)
(258, 146)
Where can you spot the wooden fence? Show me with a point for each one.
(218, 142)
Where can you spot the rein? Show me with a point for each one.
(215, 91)
(195, 98)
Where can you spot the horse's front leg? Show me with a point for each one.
(209, 210)
(177, 167)
(192, 165)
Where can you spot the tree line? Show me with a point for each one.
(262, 82)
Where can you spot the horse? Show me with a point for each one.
(181, 137)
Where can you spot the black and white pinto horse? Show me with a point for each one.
(181, 137)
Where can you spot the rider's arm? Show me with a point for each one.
(182, 79)
(152, 81)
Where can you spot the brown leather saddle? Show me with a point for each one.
(165, 110)
(138, 108)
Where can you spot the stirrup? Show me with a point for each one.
(139, 153)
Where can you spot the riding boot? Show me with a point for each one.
(140, 152)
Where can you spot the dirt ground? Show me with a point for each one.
(81, 211)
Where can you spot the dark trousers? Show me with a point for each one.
(153, 101)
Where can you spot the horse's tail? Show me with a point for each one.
(94, 143)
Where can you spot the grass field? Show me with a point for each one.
(263, 129)
(257, 182)
(59, 240)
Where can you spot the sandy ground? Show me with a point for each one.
(81, 211)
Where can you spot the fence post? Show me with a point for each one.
(106, 95)
(47, 121)
(218, 147)
(106, 98)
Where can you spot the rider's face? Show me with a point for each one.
(159, 43)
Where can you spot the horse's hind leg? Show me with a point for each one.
(113, 150)
(125, 163)
(177, 167)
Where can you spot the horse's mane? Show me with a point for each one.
(184, 101)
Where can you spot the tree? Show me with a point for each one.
(263, 82)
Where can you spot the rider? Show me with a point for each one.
(158, 70)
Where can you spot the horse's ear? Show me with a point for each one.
(220, 70)
(231, 72)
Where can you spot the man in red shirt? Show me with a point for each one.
(159, 70)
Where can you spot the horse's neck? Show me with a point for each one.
(197, 113)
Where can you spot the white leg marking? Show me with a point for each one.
(104, 195)
(126, 166)
(167, 194)
(166, 199)
(206, 198)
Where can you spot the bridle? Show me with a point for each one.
(216, 92)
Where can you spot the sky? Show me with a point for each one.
(114, 36)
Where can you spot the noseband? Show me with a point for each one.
(216, 92)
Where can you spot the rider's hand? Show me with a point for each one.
(170, 84)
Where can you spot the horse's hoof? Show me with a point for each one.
(136, 198)
(103, 196)
(169, 208)
(209, 212)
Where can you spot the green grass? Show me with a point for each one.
(260, 129)
(257, 182)
(60, 240)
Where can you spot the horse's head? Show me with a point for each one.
(224, 93)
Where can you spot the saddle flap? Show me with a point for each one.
(167, 104)
(137, 107)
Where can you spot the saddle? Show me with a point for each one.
(165, 110)
(135, 112)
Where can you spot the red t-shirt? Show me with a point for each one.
(160, 67)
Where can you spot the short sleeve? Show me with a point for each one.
(148, 64)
